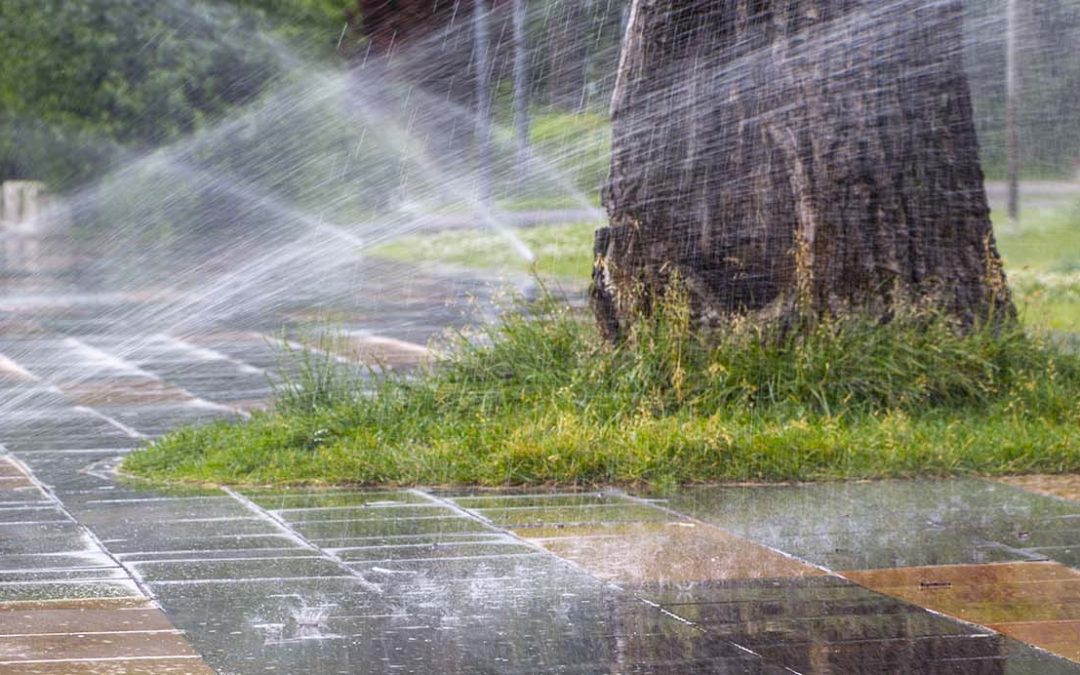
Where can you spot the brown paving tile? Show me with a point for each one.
(249, 405)
(375, 350)
(154, 666)
(1037, 602)
(86, 645)
(1066, 486)
(1060, 637)
(128, 602)
(20, 326)
(13, 477)
(666, 552)
(995, 574)
(118, 635)
(9, 470)
(52, 620)
(12, 372)
(123, 391)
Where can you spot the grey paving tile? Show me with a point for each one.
(299, 498)
(343, 628)
(90, 558)
(890, 523)
(336, 532)
(158, 420)
(155, 572)
(67, 590)
(58, 537)
(498, 545)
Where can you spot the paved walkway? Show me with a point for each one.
(99, 575)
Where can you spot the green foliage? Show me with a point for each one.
(312, 377)
(82, 82)
(539, 399)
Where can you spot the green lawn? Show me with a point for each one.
(562, 251)
(539, 400)
(1042, 256)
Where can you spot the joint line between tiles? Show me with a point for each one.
(86, 531)
(300, 539)
(485, 521)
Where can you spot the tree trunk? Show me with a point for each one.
(429, 43)
(566, 53)
(521, 84)
(482, 81)
(792, 158)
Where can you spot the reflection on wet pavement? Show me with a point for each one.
(66, 606)
(1034, 601)
(1065, 487)
(100, 575)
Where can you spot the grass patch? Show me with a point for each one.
(1042, 258)
(563, 251)
(538, 399)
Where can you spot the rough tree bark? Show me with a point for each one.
(786, 158)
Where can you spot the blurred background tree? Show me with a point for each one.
(83, 82)
(87, 82)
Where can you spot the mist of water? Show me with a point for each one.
(280, 203)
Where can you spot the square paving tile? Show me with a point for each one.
(1065, 486)
(673, 552)
(101, 635)
(1041, 598)
(890, 523)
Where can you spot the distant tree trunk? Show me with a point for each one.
(428, 42)
(482, 81)
(1012, 107)
(793, 158)
(521, 82)
(565, 48)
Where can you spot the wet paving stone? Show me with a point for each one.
(728, 580)
(1066, 486)
(366, 511)
(185, 535)
(280, 500)
(66, 606)
(890, 523)
(493, 546)
(101, 635)
(571, 627)
(1029, 594)
(518, 517)
(250, 567)
(107, 514)
(118, 391)
(72, 431)
(672, 552)
(188, 665)
(13, 515)
(72, 616)
(341, 532)
(87, 646)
